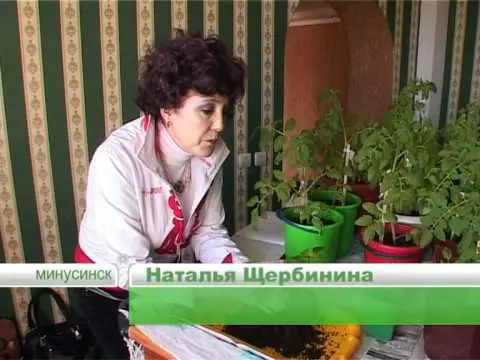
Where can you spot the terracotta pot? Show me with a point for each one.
(377, 252)
(460, 342)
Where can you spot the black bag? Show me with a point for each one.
(65, 340)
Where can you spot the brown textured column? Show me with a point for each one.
(353, 56)
(370, 45)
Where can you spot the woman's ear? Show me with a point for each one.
(166, 116)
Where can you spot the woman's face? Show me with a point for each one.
(197, 124)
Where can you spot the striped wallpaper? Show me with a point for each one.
(462, 66)
(68, 78)
(68, 74)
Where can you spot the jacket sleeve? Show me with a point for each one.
(211, 242)
(113, 214)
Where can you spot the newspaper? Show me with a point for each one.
(407, 344)
(186, 342)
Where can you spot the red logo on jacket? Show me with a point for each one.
(175, 237)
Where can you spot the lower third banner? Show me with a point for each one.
(315, 305)
(284, 294)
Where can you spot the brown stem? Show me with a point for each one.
(314, 182)
(345, 177)
(384, 210)
(392, 229)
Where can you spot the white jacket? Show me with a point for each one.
(132, 213)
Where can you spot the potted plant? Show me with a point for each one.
(386, 240)
(451, 219)
(450, 211)
(398, 154)
(360, 185)
(333, 142)
(311, 227)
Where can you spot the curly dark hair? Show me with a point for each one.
(188, 62)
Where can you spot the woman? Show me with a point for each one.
(155, 184)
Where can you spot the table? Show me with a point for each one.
(265, 243)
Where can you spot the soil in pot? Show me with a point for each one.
(306, 244)
(296, 219)
(414, 213)
(388, 251)
(287, 341)
(400, 241)
(349, 211)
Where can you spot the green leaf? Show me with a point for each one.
(458, 225)
(278, 175)
(278, 143)
(439, 200)
(278, 158)
(254, 214)
(290, 124)
(252, 201)
(335, 174)
(390, 218)
(304, 154)
(317, 223)
(371, 208)
(439, 234)
(265, 191)
(261, 184)
(384, 162)
(414, 179)
(266, 135)
(468, 241)
(364, 220)
(368, 234)
(371, 175)
(379, 228)
(283, 192)
(426, 238)
(423, 158)
(433, 179)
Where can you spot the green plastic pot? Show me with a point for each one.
(349, 212)
(306, 244)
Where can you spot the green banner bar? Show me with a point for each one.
(304, 305)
